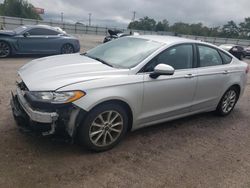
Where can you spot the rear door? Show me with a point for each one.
(212, 74)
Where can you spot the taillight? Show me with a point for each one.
(247, 69)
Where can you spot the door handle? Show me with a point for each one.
(189, 76)
(225, 72)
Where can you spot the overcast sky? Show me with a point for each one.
(112, 12)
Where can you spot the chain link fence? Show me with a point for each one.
(78, 28)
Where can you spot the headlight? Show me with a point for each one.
(56, 97)
(18, 79)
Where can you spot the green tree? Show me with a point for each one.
(150, 24)
(159, 27)
(245, 28)
(230, 30)
(181, 28)
(165, 24)
(214, 32)
(145, 23)
(18, 8)
(198, 29)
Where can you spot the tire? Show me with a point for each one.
(5, 49)
(67, 49)
(241, 56)
(101, 124)
(228, 102)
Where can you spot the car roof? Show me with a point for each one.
(164, 39)
(42, 26)
(168, 40)
(171, 40)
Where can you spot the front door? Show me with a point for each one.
(38, 40)
(169, 96)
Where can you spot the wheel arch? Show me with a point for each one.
(120, 102)
(237, 87)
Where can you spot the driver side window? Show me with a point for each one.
(179, 57)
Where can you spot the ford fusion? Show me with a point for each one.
(124, 85)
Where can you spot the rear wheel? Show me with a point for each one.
(5, 49)
(104, 127)
(67, 49)
(228, 102)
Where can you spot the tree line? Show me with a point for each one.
(23, 9)
(229, 30)
(18, 8)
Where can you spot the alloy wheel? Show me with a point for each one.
(106, 128)
(67, 49)
(229, 101)
(4, 49)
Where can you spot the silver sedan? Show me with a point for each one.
(124, 85)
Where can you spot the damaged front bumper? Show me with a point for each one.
(47, 120)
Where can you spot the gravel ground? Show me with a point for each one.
(199, 151)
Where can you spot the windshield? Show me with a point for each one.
(19, 30)
(124, 52)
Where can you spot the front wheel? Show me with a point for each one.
(228, 102)
(104, 127)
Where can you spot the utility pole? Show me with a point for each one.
(133, 18)
(61, 16)
(90, 19)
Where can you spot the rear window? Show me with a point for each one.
(225, 57)
(209, 56)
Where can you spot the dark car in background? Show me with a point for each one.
(247, 51)
(236, 50)
(37, 39)
(114, 34)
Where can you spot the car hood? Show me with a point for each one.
(52, 73)
(7, 33)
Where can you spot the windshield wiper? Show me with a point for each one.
(98, 59)
(102, 61)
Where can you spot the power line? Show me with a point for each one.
(90, 19)
(61, 16)
(133, 18)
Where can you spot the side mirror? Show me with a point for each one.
(162, 69)
(26, 34)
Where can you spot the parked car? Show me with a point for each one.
(117, 34)
(37, 39)
(247, 51)
(124, 85)
(236, 50)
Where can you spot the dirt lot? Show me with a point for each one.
(199, 151)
